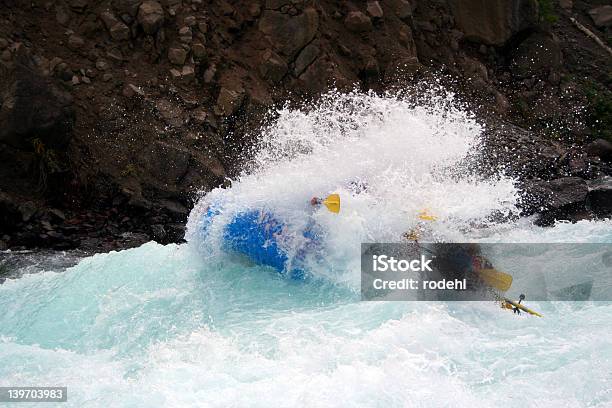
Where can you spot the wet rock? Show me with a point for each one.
(190, 21)
(305, 58)
(600, 148)
(3, 43)
(102, 65)
(199, 116)
(117, 30)
(177, 55)
(358, 22)
(199, 51)
(169, 112)
(175, 232)
(185, 34)
(402, 8)
(494, 22)
(158, 233)
(602, 16)
(38, 109)
(131, 90)
(62, 16)
(150, 16)
(174, 209)
(10, 217)
(374, 9)
(559, 199)
(599, 198)
(273, 67)
(188, 73)
(27, 210)
(126, 7)
(165, 163)
(75, 42)
(209, 74)
(289, 34)
(229, 101)
(176, 73)
(474, 69)
(538, 54)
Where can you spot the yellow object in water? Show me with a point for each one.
(496, 279)
(509, 304)
(425, 216)
(332, 202)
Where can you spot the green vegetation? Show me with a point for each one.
(47, 162)
(547, 11)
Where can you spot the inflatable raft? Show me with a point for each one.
(264, 239)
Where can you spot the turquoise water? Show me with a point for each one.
(190, 325)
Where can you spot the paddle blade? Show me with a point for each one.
(332, 202)
(496, 279)
(426, 216)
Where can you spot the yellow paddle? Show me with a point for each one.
(426, 216)
(332, 202)
(496, 279)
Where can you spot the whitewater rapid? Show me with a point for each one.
(192, 325)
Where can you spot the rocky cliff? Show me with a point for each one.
(114, 113)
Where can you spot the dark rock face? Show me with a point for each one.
(494, 22)
(170, 95)
(358, 22)
(34, 107)
(560, 199)
(599, 198)
(538, 54)
(600, 148)
(288, 33)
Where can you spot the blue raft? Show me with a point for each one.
(256, 234)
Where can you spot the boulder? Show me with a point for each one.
(358, 22)
(557, 199)
(177, 55)
(150, 16)
(600, 148)
(599, 197)
(494, 22)
(117, 30)
(538, 54)
(34, 107)
(602, 16)
(273, 67)
(287, 33)
(305, 58)
(228, 101)
(199, 51)
(166, 163)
